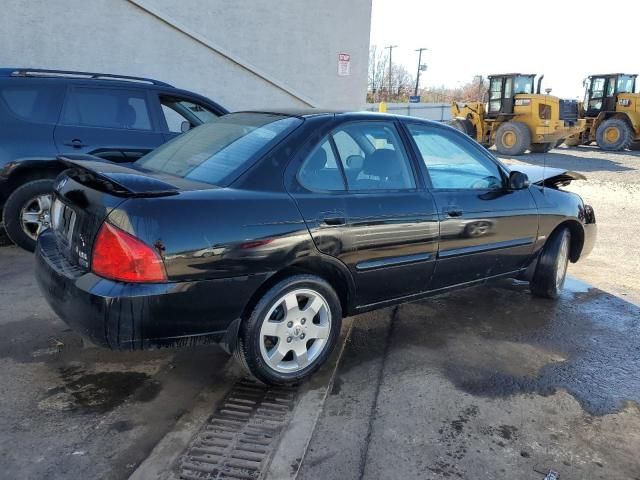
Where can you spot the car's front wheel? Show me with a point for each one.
(551, 270)
(27, 212)
(291, 331)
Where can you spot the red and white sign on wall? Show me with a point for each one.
(344, 64)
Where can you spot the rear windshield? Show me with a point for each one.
(216, 152)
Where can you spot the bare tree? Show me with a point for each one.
(378, 60)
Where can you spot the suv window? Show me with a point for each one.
(320, 170)
(36, 103)
(108, 108)
(452, 163)
(176, 111)
(373, 157)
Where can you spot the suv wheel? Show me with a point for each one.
(27, 212)
(291, 331)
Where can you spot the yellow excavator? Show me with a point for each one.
(516, 119)
(611, 110)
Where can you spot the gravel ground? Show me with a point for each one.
(613, 189)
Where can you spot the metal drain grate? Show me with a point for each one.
(238, 438)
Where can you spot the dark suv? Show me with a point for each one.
(46, 113)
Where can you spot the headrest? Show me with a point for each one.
(382, 163)
(317, 161)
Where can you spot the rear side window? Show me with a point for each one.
(215, 151)
(106, 108)
(373, 157)
(37, 103)
(320, 170)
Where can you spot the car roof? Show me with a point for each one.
(318, 112)
(612, 75)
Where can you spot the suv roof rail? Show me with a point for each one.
(40, 72)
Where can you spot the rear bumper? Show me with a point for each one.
(131, 316)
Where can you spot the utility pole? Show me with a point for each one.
(390, 47)
(480, 95)
(419, 50)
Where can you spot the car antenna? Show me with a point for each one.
(544, 153)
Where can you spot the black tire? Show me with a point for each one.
(520, 134)
(622, 131)
(573, 141)
(17, 201)
(248, 349)
(551, 270)
(634, 146)
(540, 147)
(465, 126)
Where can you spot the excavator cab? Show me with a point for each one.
(502, 91)
(601, 91)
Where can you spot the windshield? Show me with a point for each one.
(216, 151)
(626, 84)
(523, 84)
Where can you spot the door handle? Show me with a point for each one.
(76, 143)
(333, 221)
(453, 211)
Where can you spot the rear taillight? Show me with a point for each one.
(118, 255)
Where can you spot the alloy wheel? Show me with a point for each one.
(295, 331)
(35, 216)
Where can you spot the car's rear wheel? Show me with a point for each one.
(551, 270)
(27, 212)
(291, 331)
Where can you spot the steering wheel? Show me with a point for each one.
(486, 182)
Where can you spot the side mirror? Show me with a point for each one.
(518, 180)
(185, 126)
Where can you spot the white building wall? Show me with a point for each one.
(279, 53)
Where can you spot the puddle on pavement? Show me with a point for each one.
(499, 341)
(98, 392)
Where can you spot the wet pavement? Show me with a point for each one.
(487, 383)
(70, 410)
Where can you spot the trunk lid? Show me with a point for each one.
(86, 193)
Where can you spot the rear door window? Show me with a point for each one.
(320, 171)
(373, 157)
(106, 108)
(34, 103)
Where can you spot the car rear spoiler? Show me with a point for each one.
(113, 178)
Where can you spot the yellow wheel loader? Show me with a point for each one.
(611, 110)
(516, 119)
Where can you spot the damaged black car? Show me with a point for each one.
(262, 230)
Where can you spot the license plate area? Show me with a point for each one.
(63, 222)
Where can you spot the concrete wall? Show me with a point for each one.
(440, 112)
(242, 53)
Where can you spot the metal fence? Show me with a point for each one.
(440, 112)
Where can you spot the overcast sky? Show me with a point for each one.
(471, 37)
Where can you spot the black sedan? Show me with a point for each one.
(261, 230)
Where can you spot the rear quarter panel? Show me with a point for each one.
(218, 233)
